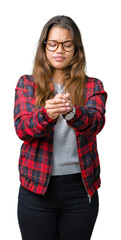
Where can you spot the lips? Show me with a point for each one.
(59, 58)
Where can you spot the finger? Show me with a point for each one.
(59, 110)
(56, 106)
(66, 96)
(55, 101)
(59, 95)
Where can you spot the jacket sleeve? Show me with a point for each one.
(90, 119)
(29, 123)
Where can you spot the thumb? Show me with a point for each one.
(59, 95)
(67, 95)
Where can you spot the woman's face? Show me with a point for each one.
(60, 59)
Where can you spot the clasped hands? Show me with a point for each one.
(60, 104)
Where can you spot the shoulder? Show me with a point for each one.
(26, 83)
(93, 84)
(25, 80)
(92, 81)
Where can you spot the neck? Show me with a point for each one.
(58, 76)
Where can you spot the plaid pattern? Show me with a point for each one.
(36, 129)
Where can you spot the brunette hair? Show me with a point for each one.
(42, 71)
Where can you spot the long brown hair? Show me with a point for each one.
(42, 72)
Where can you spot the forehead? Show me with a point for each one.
(59, 34)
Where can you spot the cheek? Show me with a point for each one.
(47, 55)
(70, 57)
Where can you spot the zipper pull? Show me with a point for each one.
(89, 198)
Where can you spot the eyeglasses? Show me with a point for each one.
(53, 45)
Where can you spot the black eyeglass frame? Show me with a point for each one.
(58, 45)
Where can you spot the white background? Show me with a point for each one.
(21, 24)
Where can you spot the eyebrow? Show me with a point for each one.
(68, 40)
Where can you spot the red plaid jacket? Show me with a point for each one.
(36, 129)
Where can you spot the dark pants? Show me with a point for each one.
(63, 213)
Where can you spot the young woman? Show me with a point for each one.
(58, 113)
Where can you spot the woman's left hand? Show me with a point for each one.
(67, 99)
(60, 104)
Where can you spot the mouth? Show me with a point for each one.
(59, 58)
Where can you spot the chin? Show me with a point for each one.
(59, 67)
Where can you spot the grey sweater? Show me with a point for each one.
(65, 155)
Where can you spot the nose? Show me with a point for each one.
(60, 48)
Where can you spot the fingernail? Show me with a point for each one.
(67, 104)
(63, 101)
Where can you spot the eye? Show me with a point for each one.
(68, 44)
(51, 43)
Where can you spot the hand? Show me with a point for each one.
(68, 99)
(60, 104)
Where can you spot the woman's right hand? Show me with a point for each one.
(57, 106)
